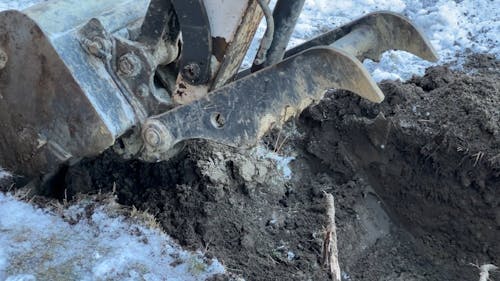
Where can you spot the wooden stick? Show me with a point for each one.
(330, 251)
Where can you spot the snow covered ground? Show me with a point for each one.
(89, 244)
(40, 244)
(455, 28)
(17, 4)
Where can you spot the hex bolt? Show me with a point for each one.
(3, 59)
(95, 46)
(156, 136)
(152, 137)
(129, 64)
(191, 71)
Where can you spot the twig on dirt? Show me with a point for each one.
(484, 270)
(478, 157)
(278, 145)
(65, 199)
(462, 149)
(282, 143)
(57, 207)
(277, 140)
(234, 269)
(24, 194)
(272, 259)
(330, 252)
(11, 187)
(207, 245)
(21, 194)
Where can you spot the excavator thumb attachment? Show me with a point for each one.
(240, 113)
(76, 76)
(273, 95)
(371, 35)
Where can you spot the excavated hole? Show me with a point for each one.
(416, 182)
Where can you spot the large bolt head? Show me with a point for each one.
(3, 59)
(191, 71)
(152, 137)
(129, 65)
(156, 136)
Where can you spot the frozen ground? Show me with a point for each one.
(34, 242)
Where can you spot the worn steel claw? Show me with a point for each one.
(373, 34)
(240, 113)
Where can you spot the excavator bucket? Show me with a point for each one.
(77, 77)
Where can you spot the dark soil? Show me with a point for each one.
(431, 152)
(416, 182)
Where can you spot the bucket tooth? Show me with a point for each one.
(373, 34)
(353, 76)
(239, 113)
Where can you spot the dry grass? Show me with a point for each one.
(145, 218)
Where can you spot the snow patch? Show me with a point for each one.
(4, 174)
(18, 4)
(319, 16)
(21, 277)
(455, 30)
(282, 162)
(103, 245)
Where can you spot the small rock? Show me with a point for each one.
(247, 170)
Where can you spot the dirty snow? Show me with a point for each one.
(282, 161)
(36, 244)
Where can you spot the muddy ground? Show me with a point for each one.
(416, 182)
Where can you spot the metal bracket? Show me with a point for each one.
(131, 65)
(162, 19)
(241, 112)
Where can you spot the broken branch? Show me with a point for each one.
(330, 251)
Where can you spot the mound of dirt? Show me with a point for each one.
(431, 151)
(416, 181)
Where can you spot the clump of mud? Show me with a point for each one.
(225, 202)
(416, 182)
